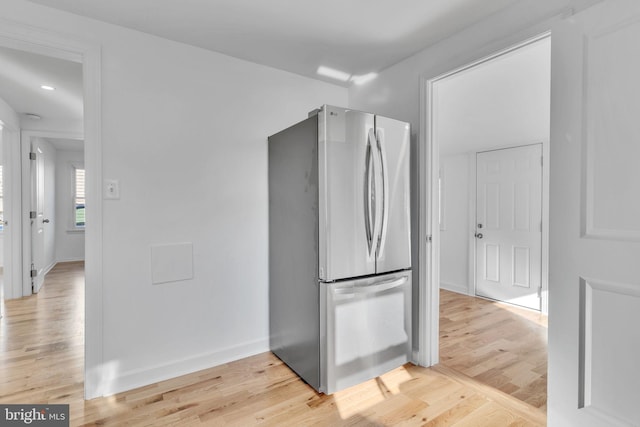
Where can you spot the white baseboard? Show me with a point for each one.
(49, 267)
(70, 259)
(45, 270)
(114, 382)
(460, 289)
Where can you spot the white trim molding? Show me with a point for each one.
(116, 382)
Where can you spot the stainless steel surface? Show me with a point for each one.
(367, 328)
(342, 165)
(294, 316)
(394, 252)
(338, 217)
(383, 193)
(368, 194)
(375, 195)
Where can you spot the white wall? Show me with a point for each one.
(503, 102)
(454, 230)
(52, 125)
(8, 116)
(69, 241)
(184, 130)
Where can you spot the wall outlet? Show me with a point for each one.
(111, 189)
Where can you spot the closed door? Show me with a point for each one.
(394, 246)
(594, 245)
(38, 221)
(347, 180)
(509, 225)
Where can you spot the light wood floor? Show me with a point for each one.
(41, 347)
(497, 344)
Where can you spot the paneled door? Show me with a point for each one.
(594, 242)
(509, 225)
(38, 220)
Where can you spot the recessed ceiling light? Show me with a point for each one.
(47, 87)
(334, 74)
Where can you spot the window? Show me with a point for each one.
(78, 198)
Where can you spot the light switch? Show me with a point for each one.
(111, 189)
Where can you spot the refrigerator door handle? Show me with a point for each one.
(378, 188)
(352, 291)
(385, 190)
(368, 190)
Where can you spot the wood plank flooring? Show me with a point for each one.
(41, 347)
(497, 344)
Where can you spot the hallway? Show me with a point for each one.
(497, 344)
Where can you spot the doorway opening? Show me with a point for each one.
(24, 41)
(489, 139)
(37, 166)
(54, 191)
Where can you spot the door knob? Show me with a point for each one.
(479, 235)
(46, 221)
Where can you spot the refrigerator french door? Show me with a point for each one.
(339, 247)
(363, 194)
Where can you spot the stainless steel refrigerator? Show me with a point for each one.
(340, 247)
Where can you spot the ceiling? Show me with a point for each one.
(502, 102)
(22, 74)
(357, 37)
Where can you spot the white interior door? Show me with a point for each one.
(594, 309)
(509, 225)
(38, 220)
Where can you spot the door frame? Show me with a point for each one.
(12, 232)
(25, 146)
(17, 35)
(429, 204)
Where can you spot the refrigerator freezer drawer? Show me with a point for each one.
(366, 329)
